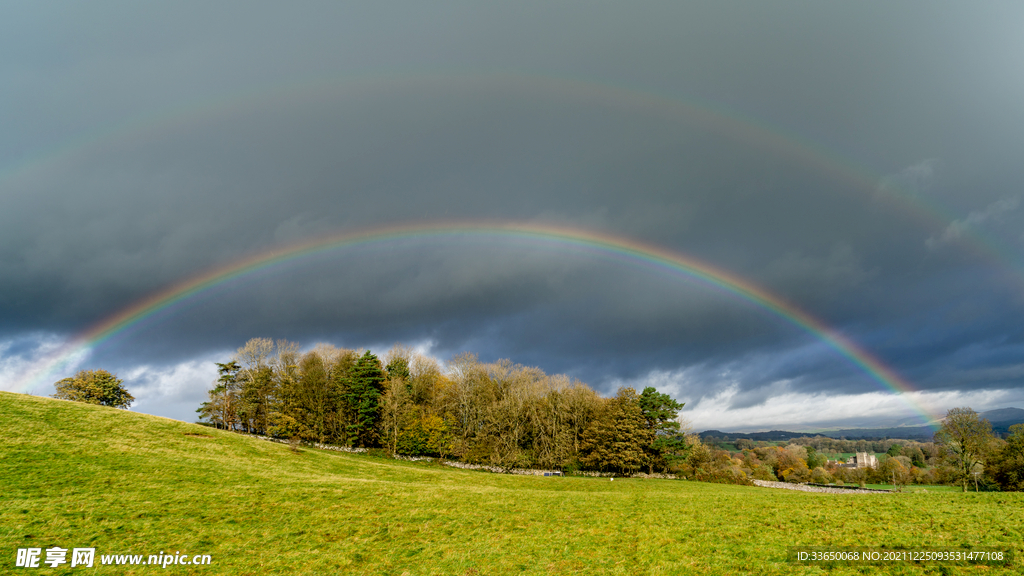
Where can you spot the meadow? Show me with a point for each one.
(76, 475)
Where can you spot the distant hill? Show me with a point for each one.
(1014, 415)
(921, 433)
(1001, 421)
(773, 436)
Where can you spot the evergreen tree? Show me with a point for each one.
(362, 388)
(398, 368)
(222, 407)
(660, 412)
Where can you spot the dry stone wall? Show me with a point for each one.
(824, 489)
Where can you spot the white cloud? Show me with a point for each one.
(719, 403)
(974, 220)
(172, 391)
(32, 362)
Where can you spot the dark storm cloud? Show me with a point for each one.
(170, 140)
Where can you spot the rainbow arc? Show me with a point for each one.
(561, 237)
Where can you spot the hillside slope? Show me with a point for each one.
(75, 476)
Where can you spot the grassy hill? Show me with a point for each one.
(74, 475)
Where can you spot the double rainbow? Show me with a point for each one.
(557, 236)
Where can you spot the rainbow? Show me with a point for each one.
(558, 236)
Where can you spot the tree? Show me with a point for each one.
(815, 459)
(424, 436)
(917, 457)
(398, 368)
(222, 407)
(893, 470)
(618, 438)
(965, 439)
(316, 400)
(1007, 468)
(660, 412)
(254, 383)
(361, 389)
(396, 406)
(94, 387)
(699, 459)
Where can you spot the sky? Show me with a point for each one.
(859, 163)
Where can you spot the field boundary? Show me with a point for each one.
(820, 488)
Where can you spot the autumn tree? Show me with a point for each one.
(94, 387)
(317, 399)
(425, 435)
(618, 437)
(282, 411)
(397, 408)
(1007, 466)
(699, 459)
(965, 439)
(255, 384)
(893, 470)
(466, 400)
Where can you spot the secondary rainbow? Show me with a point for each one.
(712, 117)
(560, 236)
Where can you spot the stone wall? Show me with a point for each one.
(819, 488)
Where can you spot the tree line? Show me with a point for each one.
(501, 414)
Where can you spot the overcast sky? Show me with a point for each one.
(861, 161)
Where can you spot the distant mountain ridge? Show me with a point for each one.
(1001, 421)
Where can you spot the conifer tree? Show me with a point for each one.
(362, 388)
(660, 412)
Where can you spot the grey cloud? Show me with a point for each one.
(914, 179)
(974, 221)
(175, 139)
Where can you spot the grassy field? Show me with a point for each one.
(917, 487)
(84, 476)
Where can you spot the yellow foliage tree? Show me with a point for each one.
(94, 387)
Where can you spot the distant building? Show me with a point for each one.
(862, 460)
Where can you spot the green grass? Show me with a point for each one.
(917, 487)
(84, 476)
